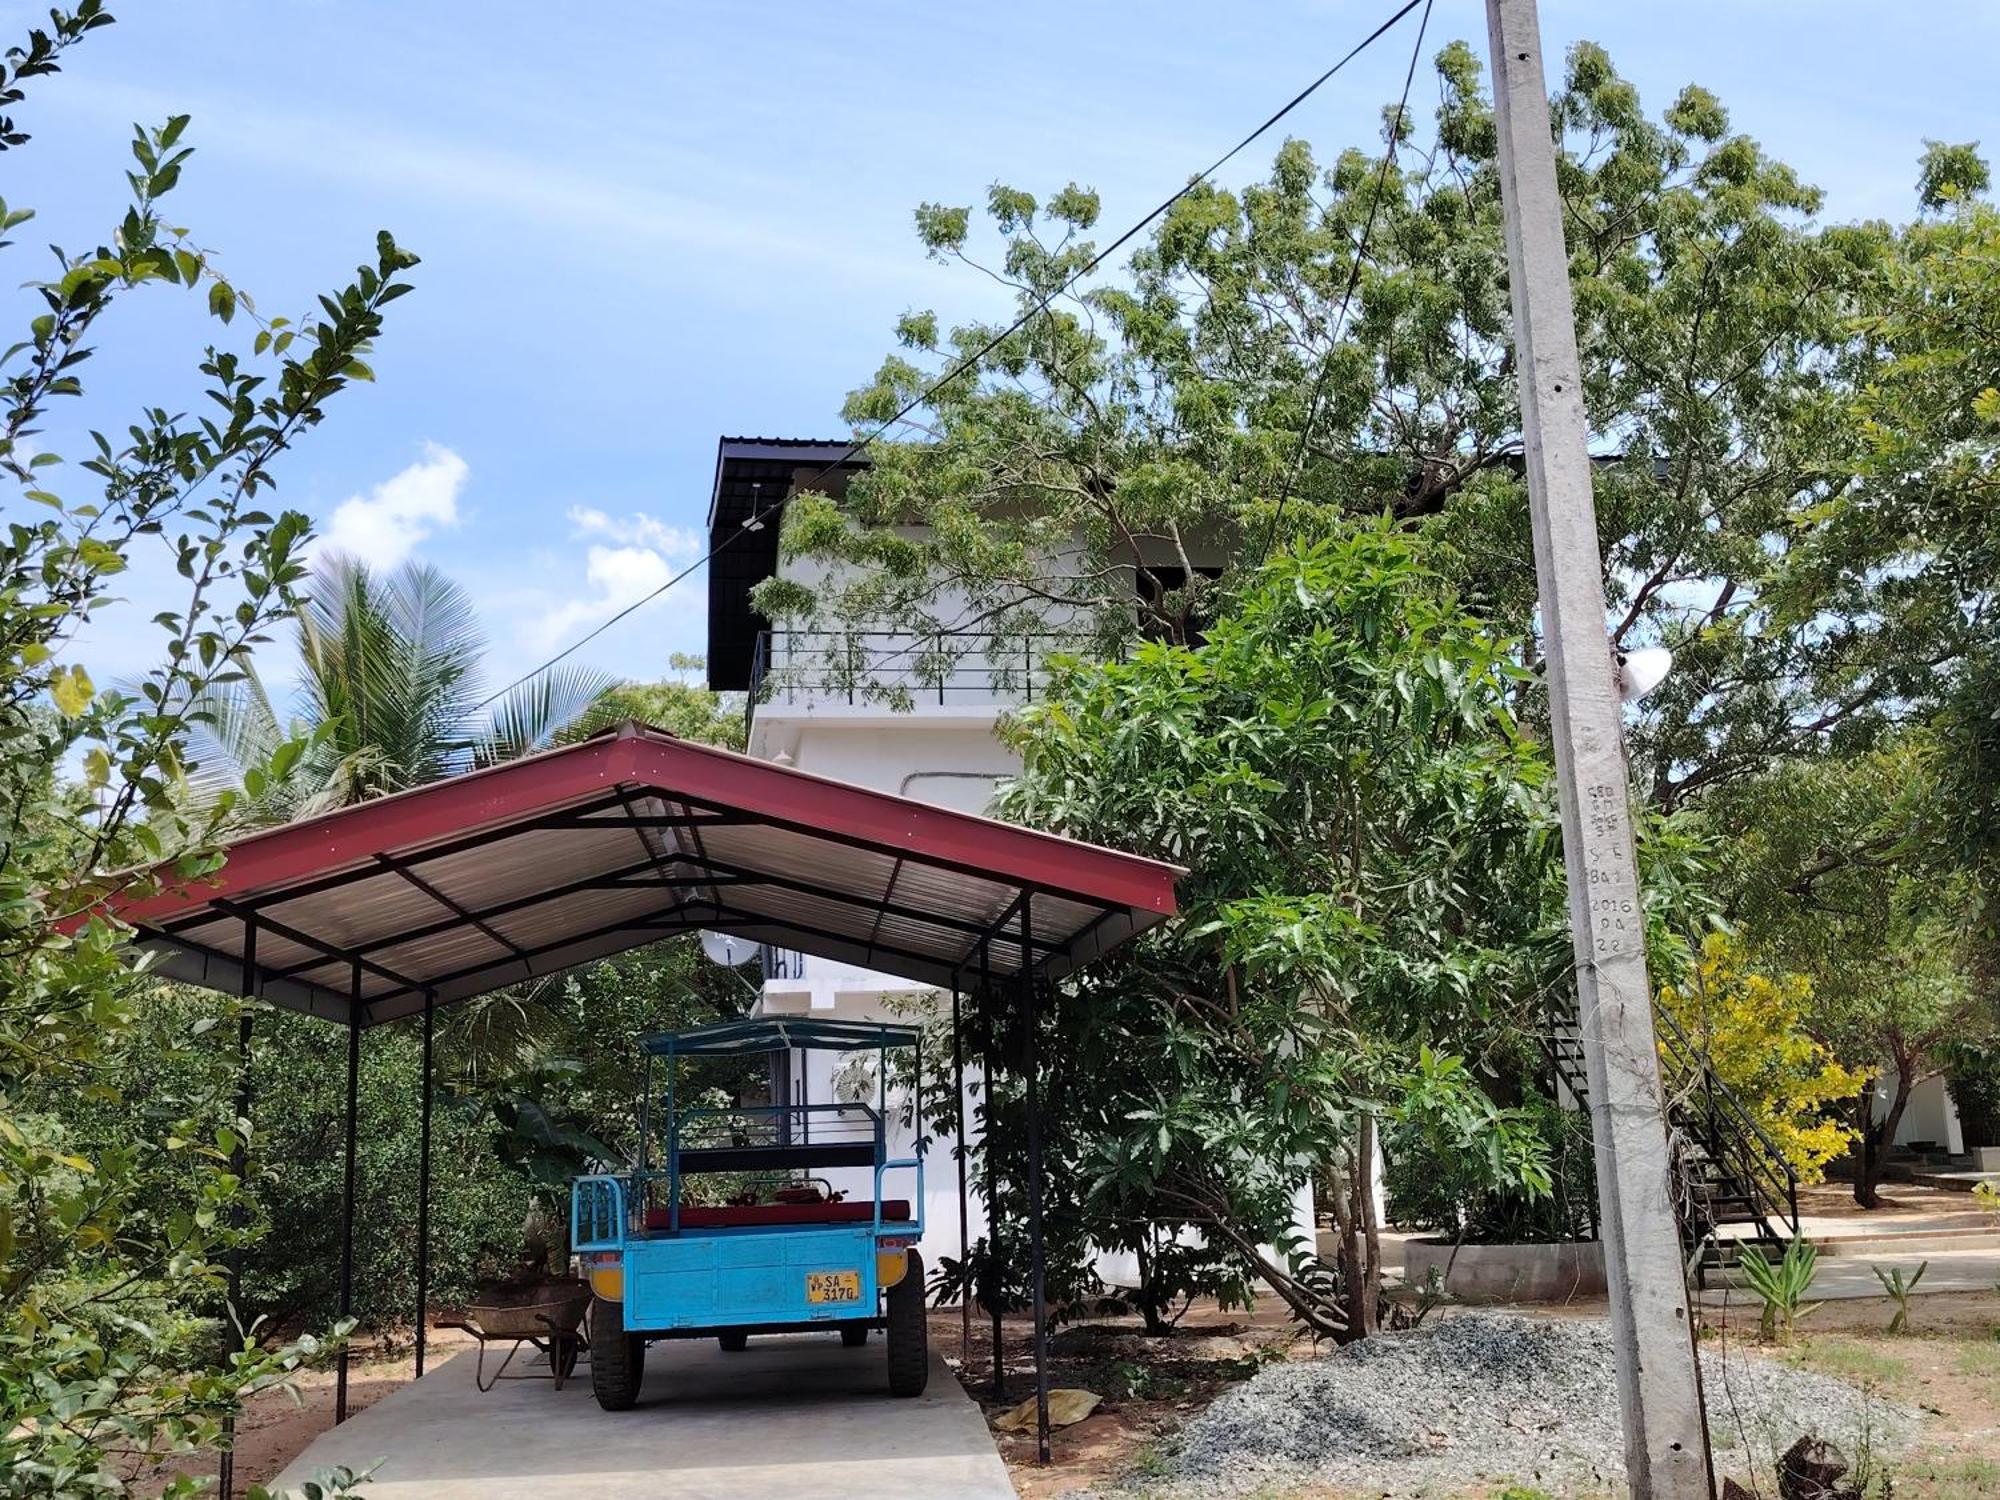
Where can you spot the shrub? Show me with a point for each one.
(1751, 1027)
(1436, 1183)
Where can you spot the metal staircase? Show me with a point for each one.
(1727, 1171)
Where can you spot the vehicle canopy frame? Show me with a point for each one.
(786, 1252)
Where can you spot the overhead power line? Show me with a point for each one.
(972, 360)
(1297, 464)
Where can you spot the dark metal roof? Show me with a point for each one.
(620, 840)
(778, 1034)
(750, 474)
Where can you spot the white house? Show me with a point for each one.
(930, 735)
(940, 748)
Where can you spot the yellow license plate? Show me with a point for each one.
(833, 1286)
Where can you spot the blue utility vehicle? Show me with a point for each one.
(734, 1225)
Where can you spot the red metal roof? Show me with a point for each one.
(621, 840)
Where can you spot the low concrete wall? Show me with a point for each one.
(1509, 1273)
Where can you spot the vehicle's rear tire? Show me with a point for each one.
(735, 1341)
(908, 1334)
(617, 1358)
(854, 1335)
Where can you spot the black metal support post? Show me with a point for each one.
(424, 1185)
(239, 1162)
(1037, 1267)
(996, 1272)
(347, 1191)
(964, 1213)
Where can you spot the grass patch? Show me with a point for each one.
(1851, 1359)
(1953, 1476)
(1980, 1361)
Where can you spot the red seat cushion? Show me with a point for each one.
(742, 1215)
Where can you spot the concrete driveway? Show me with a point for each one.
(796, 1416)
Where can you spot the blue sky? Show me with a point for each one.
(692, 219)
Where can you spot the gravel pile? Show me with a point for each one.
(1489, 1397)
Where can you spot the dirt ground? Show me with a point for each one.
(1900, 1201)
(277, 1425)
(1947, 1362)
(1150, 1386)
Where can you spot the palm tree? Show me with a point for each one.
(390, 699)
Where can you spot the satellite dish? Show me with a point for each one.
(727, 949)
(1639, 672)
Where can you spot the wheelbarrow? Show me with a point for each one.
(547, 1318)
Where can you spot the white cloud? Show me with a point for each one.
(616, 577)
(635, 530)
(387, 524)
(540, 605)
(557, 193)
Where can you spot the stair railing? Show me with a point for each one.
(1735, 1136)
(1702, 1113)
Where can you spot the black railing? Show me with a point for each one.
(1733, 1158)
(783, 963)
(1726, 1167)
(902, 669)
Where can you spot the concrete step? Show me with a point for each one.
(1887, 1243)
(1952, 1181)
(1909, 1242)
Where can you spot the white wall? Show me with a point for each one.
(813, 1082)
(956, 764)
(1929, 1116)
(941, 753)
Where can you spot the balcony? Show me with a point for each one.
(783, 964)
(884, 671)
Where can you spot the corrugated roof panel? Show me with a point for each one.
(800, 909)
(782, 851)
(526, 862)
(444, 953)
(465, 885)
(585, 911)
(923, 937)
(350, 915)
(972, 899)
(277, 957)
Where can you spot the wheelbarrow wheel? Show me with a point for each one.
(735, 1341)
(908, 1334)
(617, 1358)
(563, 1356)
(854, 1335)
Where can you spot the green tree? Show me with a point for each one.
(1085, 474)
(1910, 550)
(1797, 426)
(1374, 875)
(97, 1233)
(390, 698)
(1837, 872)
(676, 704)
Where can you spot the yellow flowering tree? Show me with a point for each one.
(1752, 1026)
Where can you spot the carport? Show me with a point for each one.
(396, 907)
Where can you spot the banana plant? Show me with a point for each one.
(1900, 1291)
(1782, 1287)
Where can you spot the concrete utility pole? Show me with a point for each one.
(1659, 1382)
